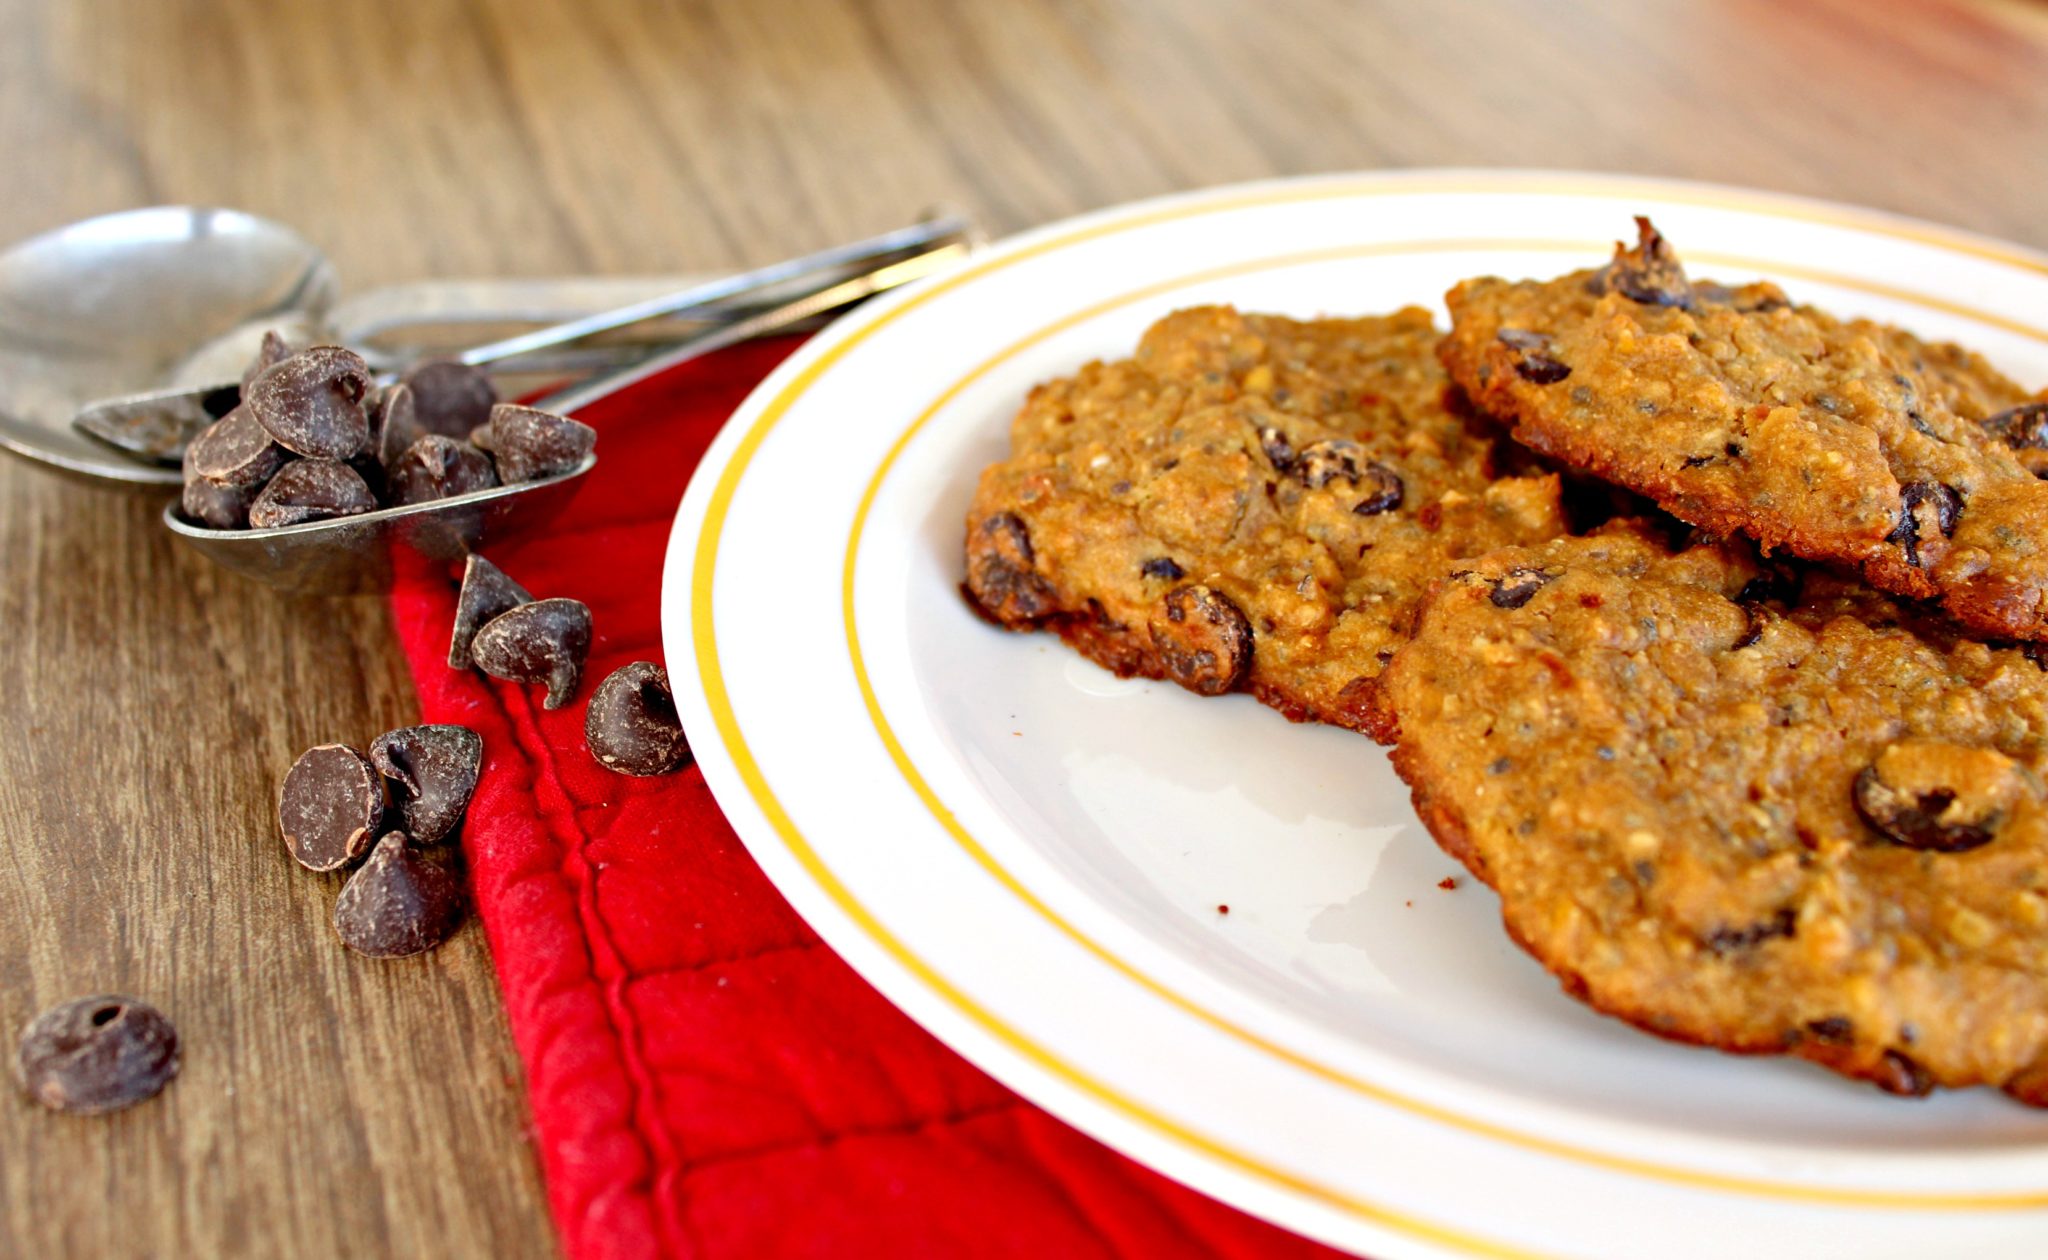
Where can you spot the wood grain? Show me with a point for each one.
(333, 1105)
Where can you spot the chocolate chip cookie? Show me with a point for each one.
(1742, 808)
(1839, 440)
(1249, 503)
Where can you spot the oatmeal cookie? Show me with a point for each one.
(1250, 503)
(1741, 809)
(1838, 440)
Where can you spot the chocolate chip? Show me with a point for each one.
(330, 807)
(1533, 361)
(234, 452)
(1516, 587)
(437, 467)
(1782, 924)
(1697, 461)
(632, 724)
(2023, 428)
(1162, 567)
(1900, 1075)
(1384, 490)
(541, 642)
(1914, 819)
(1650, 273)
(1278, 450)
(216, 506)
(311, 490)
(486, 592)
(312, 402)
(432, 771)
(1776, 583)
(394, 424)
(1320, 463)
(999, 571)
(1947, 505)
(98, 1053)
(532, 445)
(451, 398)
(272, 352)
(399, 903)
(1833, 1029)
(1204, 640)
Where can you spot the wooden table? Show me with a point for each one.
(336, 1105)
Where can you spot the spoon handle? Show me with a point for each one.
(920, 236)
(795, 311)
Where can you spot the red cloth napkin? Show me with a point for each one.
(707, 1078)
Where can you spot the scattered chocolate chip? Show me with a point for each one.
(1914, 818)
(999, 571)
(486, 592)
(1204, 640)
(2023, 428)
(1162, 567)
(1533, 360)
(399, 903)
(1278, 450)
(312, 402)
(1516, 587)
(1384, 490)
(1724, 940)
(542, 642)
(533, 445)
(95, 1054)
(272, 352)
(1947, 505)
(330, 807)
(1320, 463)
(437, 467)
(1650, 273)
(632, 724)
(451, 398)
(432, 771)
(311, 490)
(234, 453)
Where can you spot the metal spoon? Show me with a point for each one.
(115, 303)
(156, 426)
(352, 553)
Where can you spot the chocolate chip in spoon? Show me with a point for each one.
(394, 424)
(311, 490)
(330, 807)
(436, 467)
(433, 771)
(632, 724)
(216, 506)
(272, 352)
(532, 445)
(97, 1054)
(234, 451)
(400, 902)
(542, 642)
(486, 592)
(452, 398)
(312, 402)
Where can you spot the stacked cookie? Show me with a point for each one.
(1765, 773)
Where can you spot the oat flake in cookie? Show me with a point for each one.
(1249, 503)
(1838, 440)
(1744, 810)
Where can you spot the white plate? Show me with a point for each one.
(1029, 855)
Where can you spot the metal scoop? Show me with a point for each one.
(352, 553)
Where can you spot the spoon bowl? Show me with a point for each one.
(127, 301)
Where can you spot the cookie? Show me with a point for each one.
(1741, 809)
(1249, 503)
(1837, 440)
